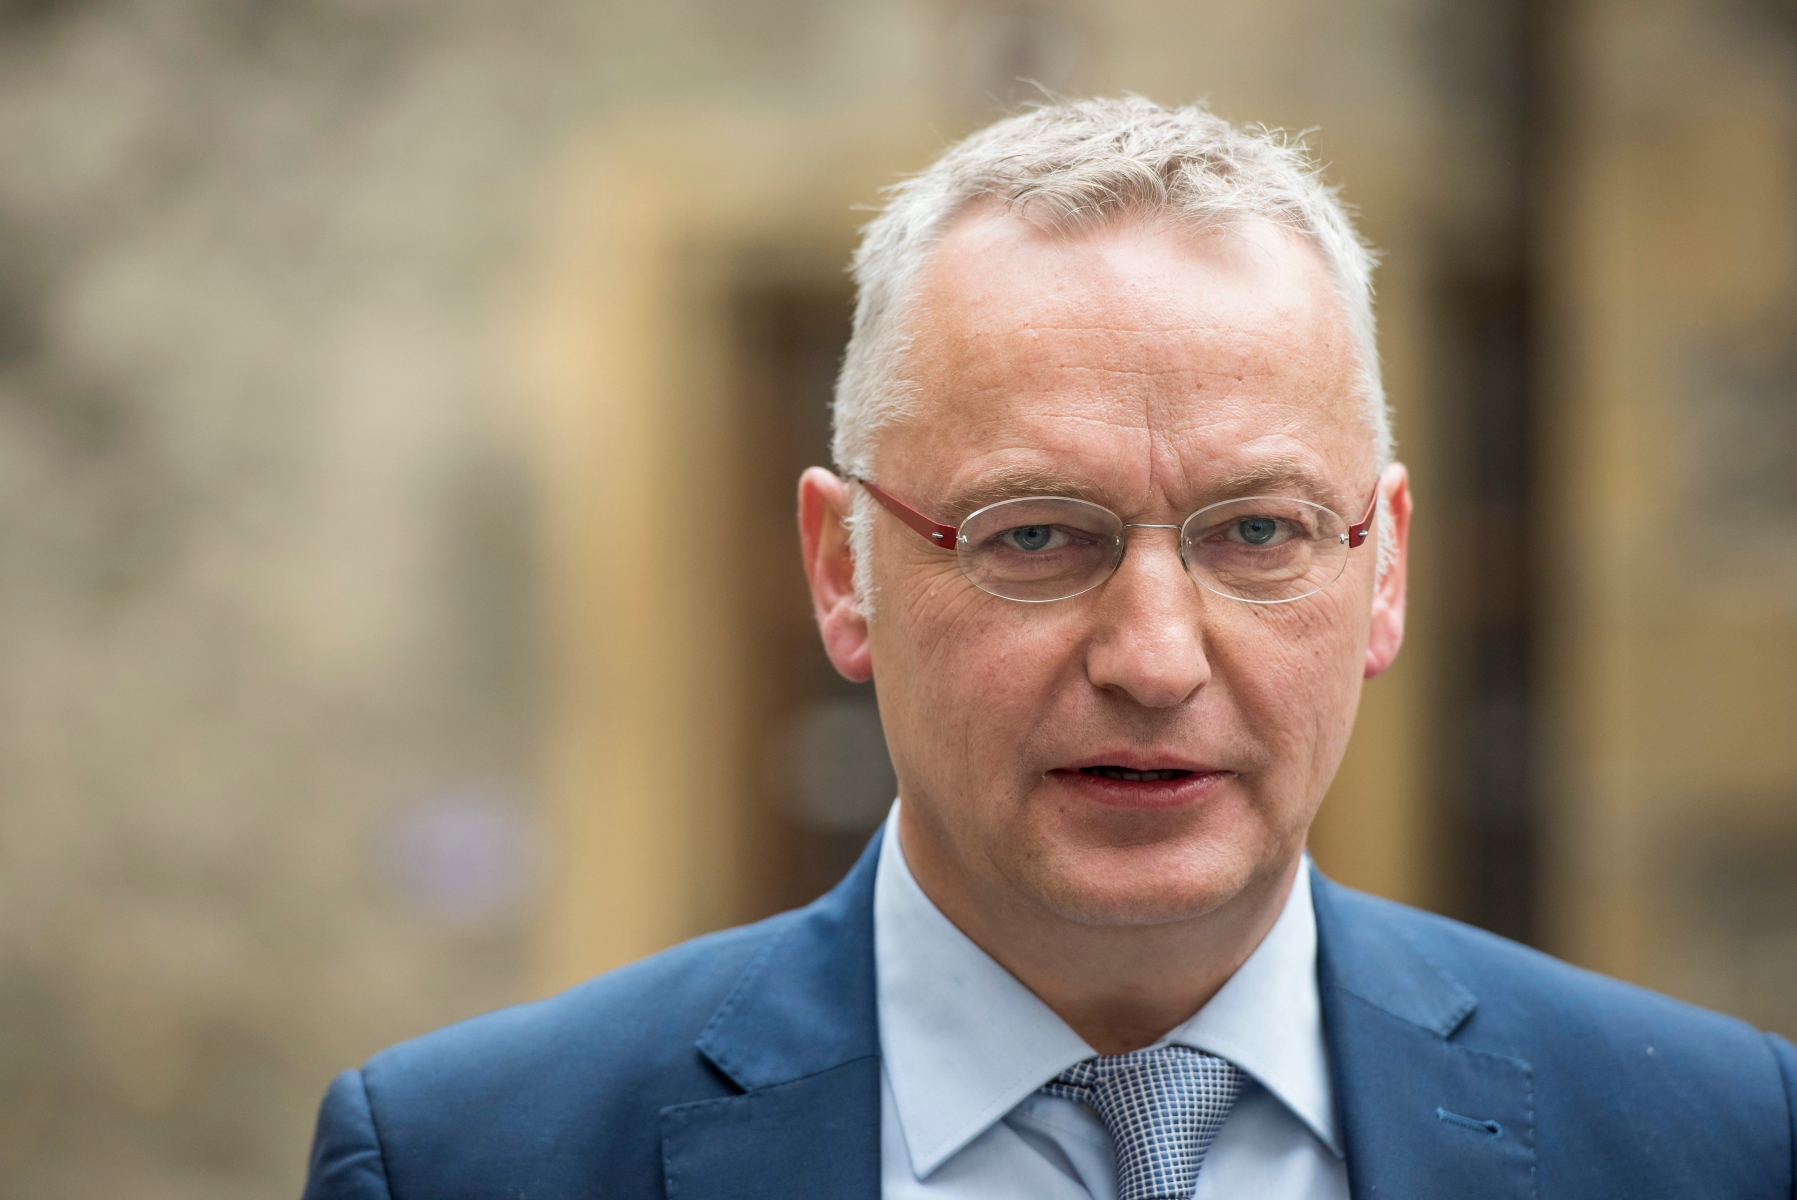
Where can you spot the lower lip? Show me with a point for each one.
(1146, 793)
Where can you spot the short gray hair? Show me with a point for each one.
(1073, 165)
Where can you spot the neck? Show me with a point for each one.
(1120, 987)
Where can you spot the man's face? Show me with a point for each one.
(1153, 371)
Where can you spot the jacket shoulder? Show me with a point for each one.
(1619, 1075)
(564, 1092)
(642, 1016)
(1539, 991)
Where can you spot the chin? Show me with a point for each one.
(1140, 885)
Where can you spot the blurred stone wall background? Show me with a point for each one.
(265, 660)
(371, 369)
(1668, 795)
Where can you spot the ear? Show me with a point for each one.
(1387, 632)
(824, 506)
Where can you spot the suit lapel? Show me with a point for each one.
(1422, 1115)
(799, 1034)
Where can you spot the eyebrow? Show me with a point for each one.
(1283, 474)
(1009, 483)
(1275, 475)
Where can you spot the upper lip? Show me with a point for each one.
(1137, 759)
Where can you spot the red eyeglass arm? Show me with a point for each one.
(1358, 533)
(941, 535)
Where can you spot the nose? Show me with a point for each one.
(1148, 643)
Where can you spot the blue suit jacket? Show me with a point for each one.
(747, 1064)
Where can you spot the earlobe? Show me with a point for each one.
(1386, 632)
(824, 505)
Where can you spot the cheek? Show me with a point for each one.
(989, 665)
(973, 674)
(1296, 678)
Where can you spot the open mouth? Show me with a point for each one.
(1129, 776)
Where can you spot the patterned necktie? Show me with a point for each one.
(1163, 1108)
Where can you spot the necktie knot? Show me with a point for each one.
(1162, 1106)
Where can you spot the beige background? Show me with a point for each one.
(375, 375)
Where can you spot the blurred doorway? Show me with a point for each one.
(822, 781)
(1486, 379)
(1488, 769)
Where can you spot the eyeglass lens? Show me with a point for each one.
(1262, 549)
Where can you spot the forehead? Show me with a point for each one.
(1138, 361)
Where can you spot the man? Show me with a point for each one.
(1118, 538)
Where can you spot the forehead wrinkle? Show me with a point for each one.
(1050, 436)
(1284, 473)
(1232, 350)
(1143, 372)
(1114, 342)
(1029, 323)
(1100, 467)
(1013, 481)
(1280, 474)
(1156, 358)
(1147, 400)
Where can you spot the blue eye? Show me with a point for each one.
(1256, 531)
(1031, 537)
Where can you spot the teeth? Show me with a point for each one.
(1125, 773)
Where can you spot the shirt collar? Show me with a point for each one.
(964, 1041)
(1268, 1018)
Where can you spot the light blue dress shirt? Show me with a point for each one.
(966, 1048)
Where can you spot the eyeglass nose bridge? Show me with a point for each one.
(1183, 561)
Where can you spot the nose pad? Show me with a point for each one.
(1180, 529)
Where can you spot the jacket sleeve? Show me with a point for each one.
(1786, 1054)
(347, 1163)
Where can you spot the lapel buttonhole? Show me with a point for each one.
(1488, 1128)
